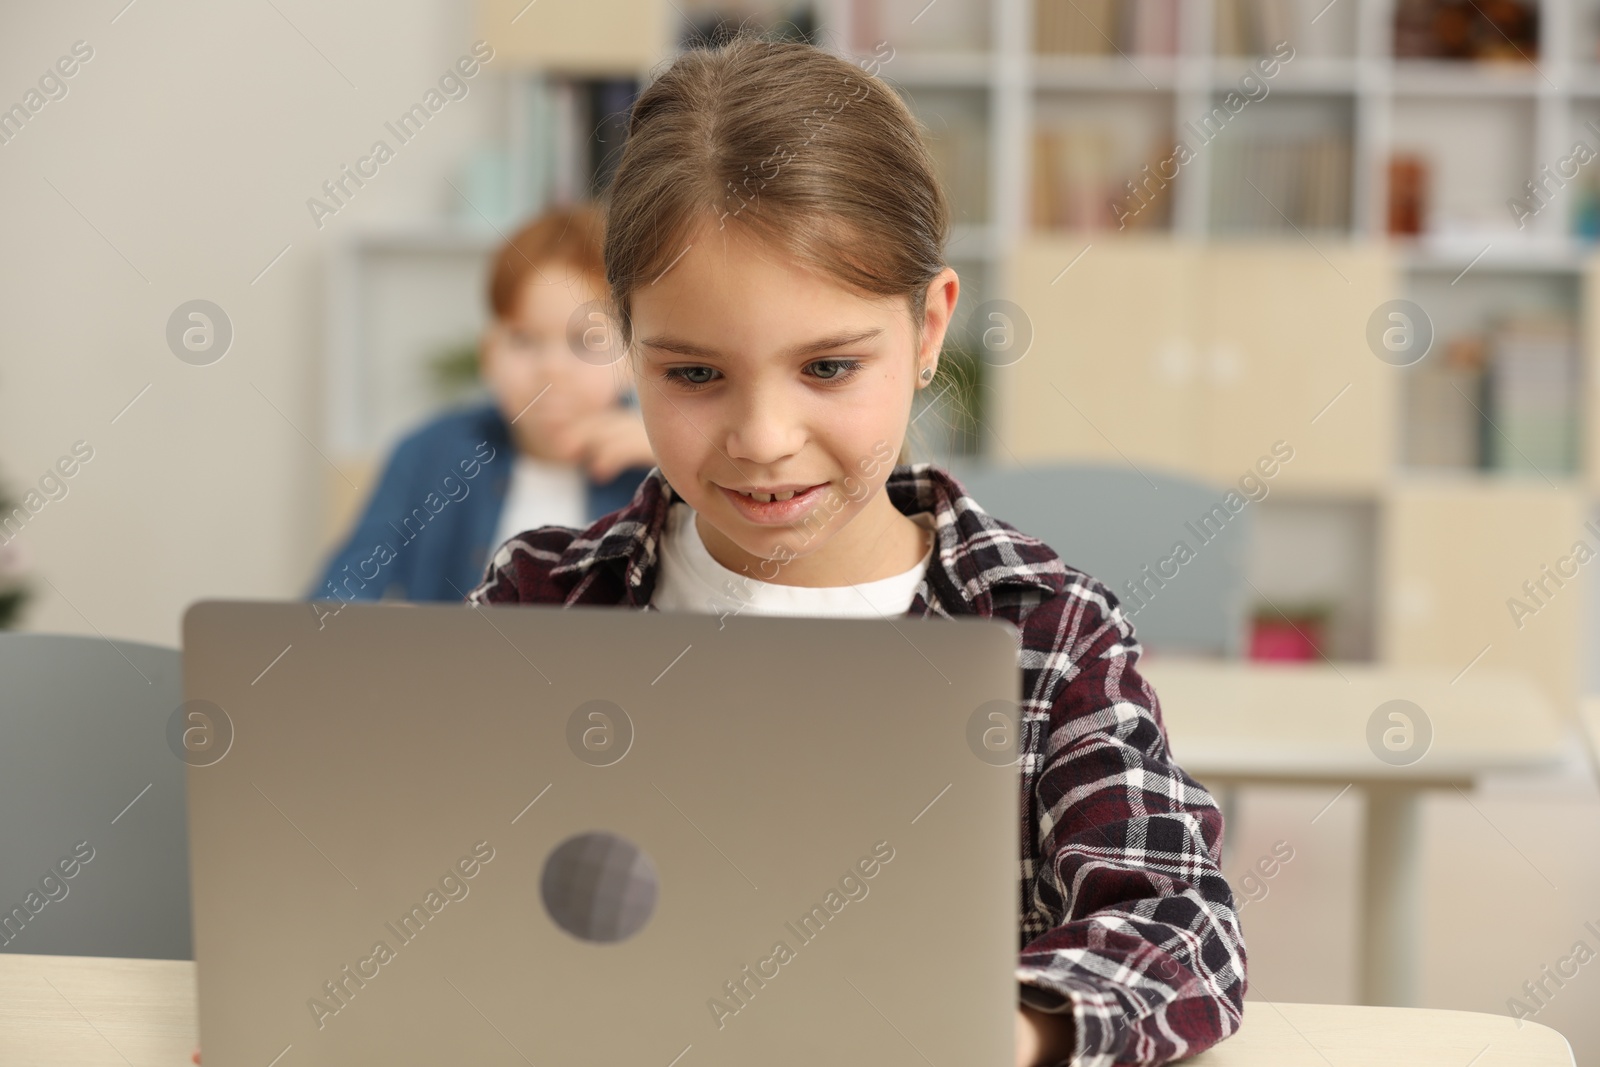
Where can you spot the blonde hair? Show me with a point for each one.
(810, 154)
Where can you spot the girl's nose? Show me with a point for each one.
(766, 428)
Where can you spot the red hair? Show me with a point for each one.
(572, 235)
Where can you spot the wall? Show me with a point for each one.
(177, 166)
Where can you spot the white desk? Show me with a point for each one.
(1315, 1035)
(90, 1012)
(1241, 723)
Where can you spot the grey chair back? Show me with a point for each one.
(93, 826)
(1123, 527)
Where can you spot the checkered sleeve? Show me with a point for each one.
(1137, 936)
(519, 571)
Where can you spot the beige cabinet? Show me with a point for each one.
(592, 38)
(1111, 373)
(1283, 328)
(1197, 358)
(1455, 555)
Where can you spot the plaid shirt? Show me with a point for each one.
(1126, 920)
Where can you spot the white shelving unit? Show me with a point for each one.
(1516, 117)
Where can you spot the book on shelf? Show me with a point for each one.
(575, 128)
(1443, 398)
(1077, 183)
(1467, 29)
(711, 23)
(1153, 28)
(1277, 183)
(1584, 219)
(1408, 193)
(607, 103)
(1501, 399)
(1327, 194)
(959, 145)
(1105, 27)
(1253, 27)
(1531, 391)
(944, 26)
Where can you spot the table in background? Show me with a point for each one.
(85, 1011)
(1306, 724)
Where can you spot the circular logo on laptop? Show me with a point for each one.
(199, 732)
(994, 731)
(599, 732)
(600, 887)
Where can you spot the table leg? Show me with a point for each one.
(1390, 898)
(1227, 797)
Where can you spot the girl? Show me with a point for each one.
(774, 251)
(553, 445)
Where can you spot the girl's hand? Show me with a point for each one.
(196, 1056)
(1043, 1038)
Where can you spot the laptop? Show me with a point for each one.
(425, 834)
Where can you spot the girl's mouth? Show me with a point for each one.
(774, 512)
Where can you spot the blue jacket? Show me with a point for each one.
(426, 530)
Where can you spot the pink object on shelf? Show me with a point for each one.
(1276, 639)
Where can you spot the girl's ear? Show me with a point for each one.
(943, 291)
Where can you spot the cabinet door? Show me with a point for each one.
(1111, 373)
(1284, 328)
(595, 37)
(1456, 553)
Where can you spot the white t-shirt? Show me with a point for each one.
(542, 493)
(690, 579)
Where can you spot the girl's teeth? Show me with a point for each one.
(767, 498)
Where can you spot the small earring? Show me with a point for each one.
(927, 374)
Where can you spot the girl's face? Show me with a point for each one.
(754, 374)
(529, 357)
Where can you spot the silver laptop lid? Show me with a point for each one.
(439, 834)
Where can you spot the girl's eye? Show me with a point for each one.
(685, 376)
(833, 370)
(843, 369)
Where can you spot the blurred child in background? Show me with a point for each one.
(560, 443)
